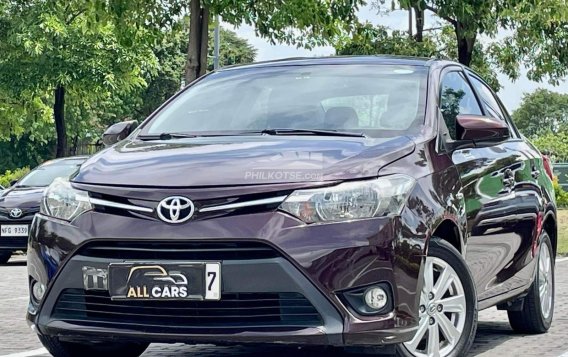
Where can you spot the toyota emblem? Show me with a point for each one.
(16, 213)
(175, 209)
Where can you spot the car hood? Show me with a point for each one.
(21, 197)
(225, 161)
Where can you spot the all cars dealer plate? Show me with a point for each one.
(179, 281)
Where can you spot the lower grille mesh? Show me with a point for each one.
(232, 314)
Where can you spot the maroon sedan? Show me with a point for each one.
(362, 201)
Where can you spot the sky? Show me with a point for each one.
(511, 94)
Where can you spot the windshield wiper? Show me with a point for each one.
(322, 132)
(165, 136)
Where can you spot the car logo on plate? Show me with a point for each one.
(176, 209)
(16, 213)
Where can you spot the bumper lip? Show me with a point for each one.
(309, 336)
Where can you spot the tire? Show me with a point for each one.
(59, 348)
(5, 256)
(534, 317)
(463, 318)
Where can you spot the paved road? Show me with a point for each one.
(494, 336)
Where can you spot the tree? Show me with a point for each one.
(53, 50)
(232, 50)
(301, 22)
(542, 112)
(539, 31)
(370, 40)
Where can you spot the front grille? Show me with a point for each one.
(179, 251)
(234, 313)
(27, 214)
(14, 242)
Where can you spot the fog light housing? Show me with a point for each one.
(38, 291)
(376, 298)
(373, 299)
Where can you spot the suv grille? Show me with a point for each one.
(179, 251)
(232, 314)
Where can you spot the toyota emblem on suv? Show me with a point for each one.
(176, 209)
(16, 213)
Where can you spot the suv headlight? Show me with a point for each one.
(62, 201)
(350, 200)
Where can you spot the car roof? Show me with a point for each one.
(336, 60)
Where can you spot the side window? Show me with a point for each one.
(490, 104)
(456, 97)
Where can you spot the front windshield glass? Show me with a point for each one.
(44, 175)
(378, 100)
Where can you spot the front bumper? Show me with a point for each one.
(317, 263)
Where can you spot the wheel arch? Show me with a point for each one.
(550, 226)
(449, 231)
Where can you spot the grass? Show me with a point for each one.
(563, 232)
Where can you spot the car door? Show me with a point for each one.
(488, 186)
(528, 203)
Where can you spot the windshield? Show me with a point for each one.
(44, 175)
(378, 100)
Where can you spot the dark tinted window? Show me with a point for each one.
(379, 100)
(456, 97)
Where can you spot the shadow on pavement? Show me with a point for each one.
(491, 334)
(15, 262)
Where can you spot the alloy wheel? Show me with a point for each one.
(442, 311)
(545, 281)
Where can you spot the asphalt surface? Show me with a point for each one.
(494, 336)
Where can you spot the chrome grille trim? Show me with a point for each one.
(99, 202)
(230, 206)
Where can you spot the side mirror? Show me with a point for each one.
(478, 128)
(118, 132)
(13, 182)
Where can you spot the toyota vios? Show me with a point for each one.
(367, 201)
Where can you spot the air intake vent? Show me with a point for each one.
(232, 314)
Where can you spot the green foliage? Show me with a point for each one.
(553, 145)
(233, 50)
(114, 66)
(538, 32)
(542, 112)
(370, 40)
(561, 195)
(9, 176)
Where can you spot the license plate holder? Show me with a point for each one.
(14, 230)
(165, 281)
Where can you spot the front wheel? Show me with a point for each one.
(448, 306)
(59, 348)
(538, 306)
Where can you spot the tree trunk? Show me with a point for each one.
(419, 24)
(465, 45)
(59, 118)
(196, 64)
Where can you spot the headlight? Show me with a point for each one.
(62, 201)
(350, 200)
